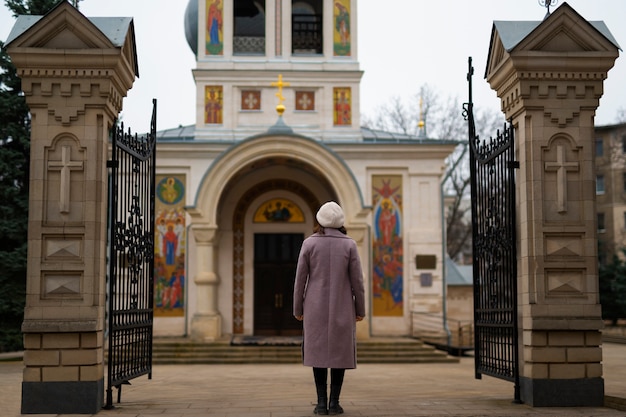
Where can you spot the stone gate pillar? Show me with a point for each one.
(549, 76)
(74, 74)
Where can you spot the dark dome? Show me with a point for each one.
(191, 25)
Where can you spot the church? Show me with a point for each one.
(277, 134)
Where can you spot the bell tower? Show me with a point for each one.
(242, 47)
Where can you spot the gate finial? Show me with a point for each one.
(547, 4)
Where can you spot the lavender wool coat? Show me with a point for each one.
(328, 292)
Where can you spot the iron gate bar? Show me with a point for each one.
(494, 249)
(131, 256)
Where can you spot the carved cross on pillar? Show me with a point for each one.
(562, 167)
(65, 165)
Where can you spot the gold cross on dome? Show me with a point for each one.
(280, 84)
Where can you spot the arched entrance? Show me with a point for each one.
(253, 172)
(276, 243)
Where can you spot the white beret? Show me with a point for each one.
(330, 215)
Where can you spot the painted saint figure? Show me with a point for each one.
(387, 223)
(341, 31)
(343, 108)
(387, 277)
(213, 106)
(214, 22)
(342, 22)
(170, 244)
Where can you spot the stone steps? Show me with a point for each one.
(389, 350)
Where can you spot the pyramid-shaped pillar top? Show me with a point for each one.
(65, 44)
(563, 45)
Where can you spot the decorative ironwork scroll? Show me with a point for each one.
(131, 256)
(492, 165)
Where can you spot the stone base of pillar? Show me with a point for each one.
(584, 392)
(72, 397)
(206, 327)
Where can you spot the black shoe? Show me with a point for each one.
(335, 409)
(320, 408)
(322, 401)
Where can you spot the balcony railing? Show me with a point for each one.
(249, 45)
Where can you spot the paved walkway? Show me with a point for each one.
(288, 391)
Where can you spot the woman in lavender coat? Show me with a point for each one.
(329, 298)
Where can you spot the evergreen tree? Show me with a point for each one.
(612, 277)
(34, 7)
(14, 170)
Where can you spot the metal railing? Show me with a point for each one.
(430, 329)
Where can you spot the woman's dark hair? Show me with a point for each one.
(320, 229)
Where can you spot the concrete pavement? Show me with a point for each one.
(287, 391)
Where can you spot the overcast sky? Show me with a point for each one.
(402, 45)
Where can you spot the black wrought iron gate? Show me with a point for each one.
(492, 165)
(131, 256)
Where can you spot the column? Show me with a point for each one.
(206, 323)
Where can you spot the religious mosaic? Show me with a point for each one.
(387, 274)
(279, 210)
(341, 32)
(213, 104)
(169, 248)
(214, 28)
(305, 101)
(250, 100)
(342, 102)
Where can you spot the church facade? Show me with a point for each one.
(277, 134)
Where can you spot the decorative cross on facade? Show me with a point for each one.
(561, 167)
(251, 101)
(65, 165)
(280, 108)
(305, 101)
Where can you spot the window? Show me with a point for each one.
(599, 184)
(602, 252)
(249, 30)
(601, 225)
(306, 27)
(624, 181)
(599, 147)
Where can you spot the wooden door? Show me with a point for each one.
(275, 260)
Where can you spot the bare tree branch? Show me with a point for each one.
(443, 120)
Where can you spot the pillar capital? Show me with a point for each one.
(79, 60)
(205, 234)
(541, 64)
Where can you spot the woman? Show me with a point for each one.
(329, 298)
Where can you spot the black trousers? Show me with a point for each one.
(321, 376)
